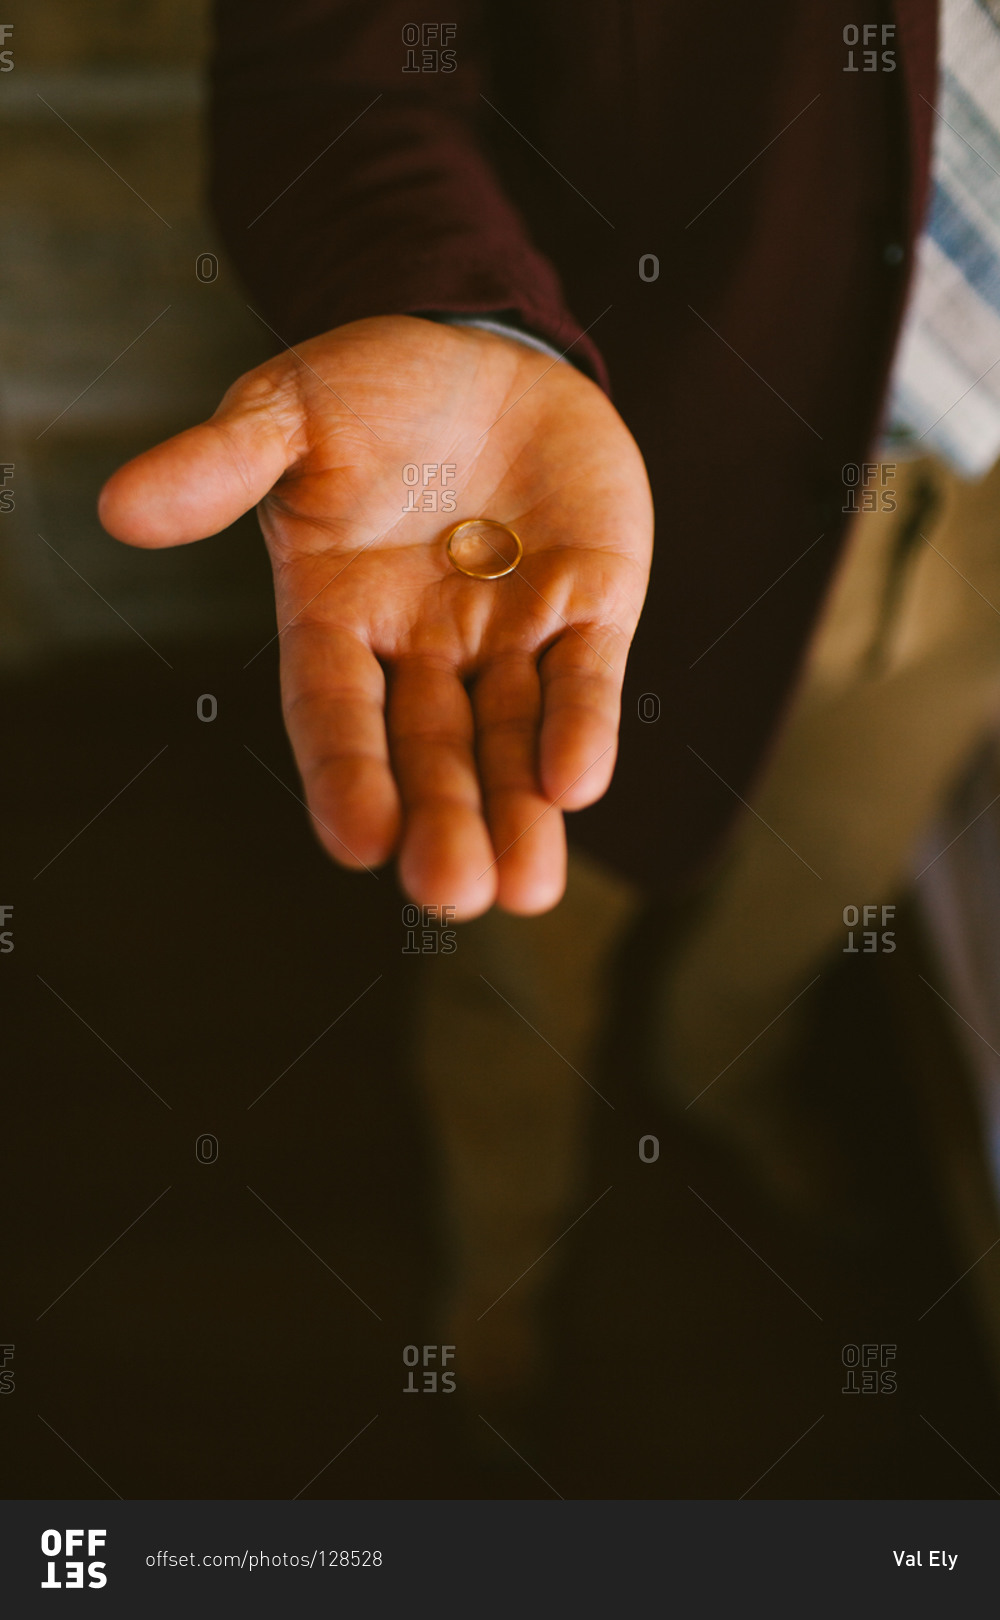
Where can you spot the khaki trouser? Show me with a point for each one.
(505, 1043)
(900, 687)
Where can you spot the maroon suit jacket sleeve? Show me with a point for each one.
(346, 186)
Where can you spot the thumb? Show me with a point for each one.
(203, 479)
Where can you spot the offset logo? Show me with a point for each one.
(64, 1569)
(870, 34)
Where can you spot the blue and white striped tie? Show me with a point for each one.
(945, 393)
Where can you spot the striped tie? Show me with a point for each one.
(945, 393)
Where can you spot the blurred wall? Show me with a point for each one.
(109, 338)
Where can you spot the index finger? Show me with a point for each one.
(333, 696)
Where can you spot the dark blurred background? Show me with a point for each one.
(237, 1327)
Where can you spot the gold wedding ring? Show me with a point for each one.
(471, 548)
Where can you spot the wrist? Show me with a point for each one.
(499, 325)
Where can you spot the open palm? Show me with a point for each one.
(448, 719)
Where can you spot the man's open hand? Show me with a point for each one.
(446, 718)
